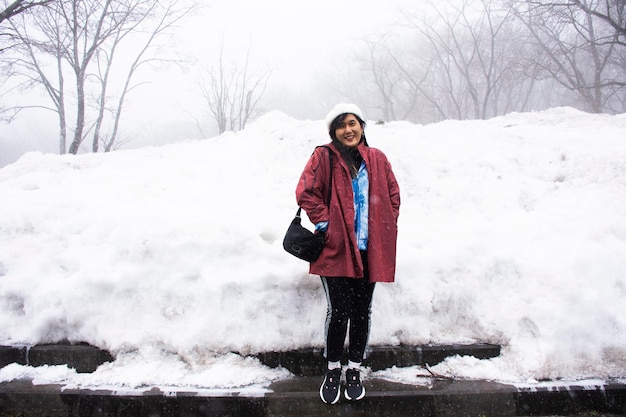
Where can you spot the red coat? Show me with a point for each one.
(340, 257)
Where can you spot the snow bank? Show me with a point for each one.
(512, 231)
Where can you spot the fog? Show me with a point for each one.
(300, 43)
(421, 62)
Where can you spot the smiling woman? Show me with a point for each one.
(348, 131)
(353, 199)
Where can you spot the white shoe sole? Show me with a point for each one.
(336, 400)
(360, 397)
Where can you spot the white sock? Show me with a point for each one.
(354, 365)
(334, 365)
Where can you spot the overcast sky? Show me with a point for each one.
(293, 32)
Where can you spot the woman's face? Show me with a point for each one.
(349, 131)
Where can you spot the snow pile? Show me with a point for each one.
(512, 231)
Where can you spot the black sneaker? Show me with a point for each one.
(329, 391)
(354, 389)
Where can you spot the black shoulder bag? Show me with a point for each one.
(301, 242)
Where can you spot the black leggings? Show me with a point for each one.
(349, 300)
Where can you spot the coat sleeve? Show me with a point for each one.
(312, 188)
(394, 190)
(388, 177)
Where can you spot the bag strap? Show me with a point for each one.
(330, 164)
(330, 182)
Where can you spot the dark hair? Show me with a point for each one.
(339, 119)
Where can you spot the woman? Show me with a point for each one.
(360, 226)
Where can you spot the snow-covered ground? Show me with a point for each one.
(512, 231)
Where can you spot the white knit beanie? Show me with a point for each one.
(341, 109)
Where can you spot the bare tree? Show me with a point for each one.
(78, 40)
(472, 60)
(7, 40)
(164, 17)
(582, 43)
(385, 66)
(233, 92)
(20, 6)
(613, 12)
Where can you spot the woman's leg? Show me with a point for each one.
(349, 300)
(362, 292)
(339, 299)
(360, 318)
